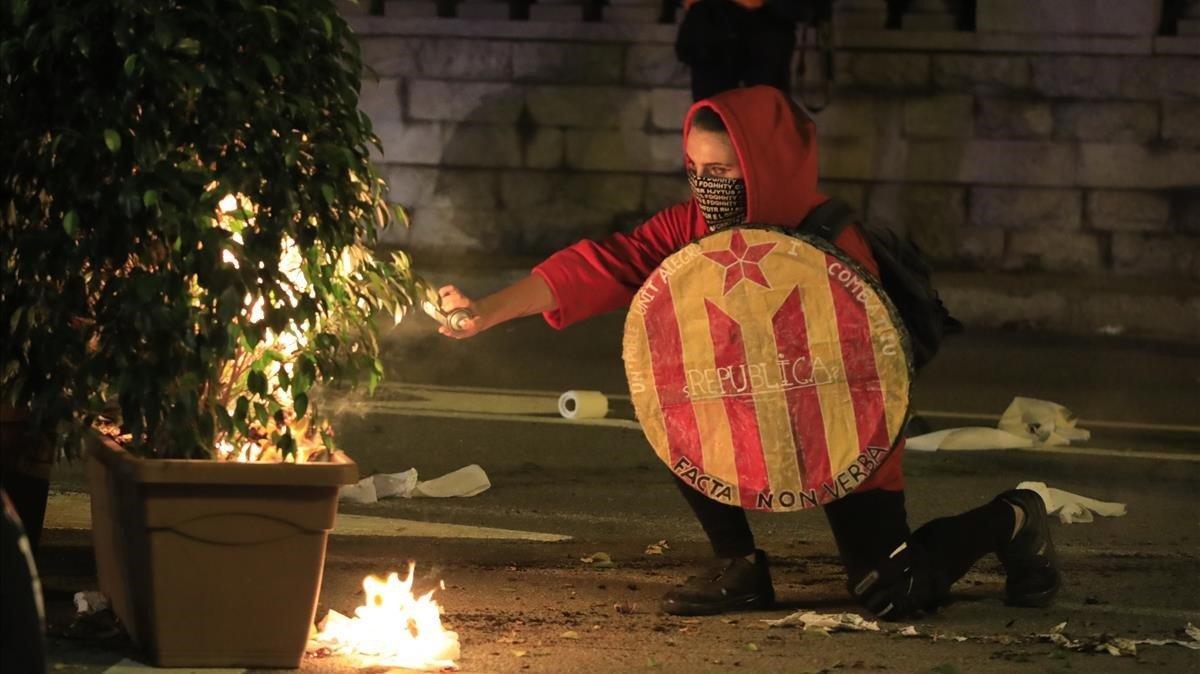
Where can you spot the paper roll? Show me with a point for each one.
(582, 405)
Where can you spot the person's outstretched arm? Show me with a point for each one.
(527, 297)
(581, 280)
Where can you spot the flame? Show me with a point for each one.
(393, 628)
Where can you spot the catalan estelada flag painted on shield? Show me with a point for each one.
(767, 370)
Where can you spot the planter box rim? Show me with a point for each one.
(341, 470)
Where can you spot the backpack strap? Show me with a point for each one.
(828, 220)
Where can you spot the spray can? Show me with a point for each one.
(453, 319)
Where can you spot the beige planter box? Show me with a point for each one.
(210, 563)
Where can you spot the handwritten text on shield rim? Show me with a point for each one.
(761, 377)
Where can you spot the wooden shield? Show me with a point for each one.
(768, 370)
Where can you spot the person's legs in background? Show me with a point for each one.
(895, 574)
(708, 43)
(710, 78)
(739, 578)
(768, 46)
(867, 526)
(726, 526)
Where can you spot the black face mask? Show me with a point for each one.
(722, 201)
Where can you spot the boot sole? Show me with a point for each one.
(753, 602)
(1036, 599)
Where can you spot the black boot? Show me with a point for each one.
(1029, 559)
(728, 585)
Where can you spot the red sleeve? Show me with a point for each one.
(854, 244)
(590, 278)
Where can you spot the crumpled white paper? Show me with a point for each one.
(389, 485)
(1046, 423)
(967, 438)
(1028, 422)
(362, 491)
(1071, 507)
(466, 481)
(826, 622)
(91, 601)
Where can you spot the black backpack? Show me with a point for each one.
(903, 273)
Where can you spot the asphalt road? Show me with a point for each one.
(531, 606)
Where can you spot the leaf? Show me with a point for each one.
(569, 634)
(372, 381)
(189, 46)
(149, 198)
(752, 647)
(19, 9)
(301, 404)
(240, 412)
(112, 139)
(71, 223)
(272, 22)
(327, 192)
(272, 64)
(261, 414)
(130, 64)
(327, 25)
(256, 382)
(402, 216)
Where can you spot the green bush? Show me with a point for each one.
(188, 210)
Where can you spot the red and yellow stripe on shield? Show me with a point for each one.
(766, 371)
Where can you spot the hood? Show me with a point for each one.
(776, 143)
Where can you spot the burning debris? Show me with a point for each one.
(393, 628)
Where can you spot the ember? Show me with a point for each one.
(393, 628)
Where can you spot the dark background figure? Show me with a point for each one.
(733, 43)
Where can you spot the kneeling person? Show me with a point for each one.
(751, 158)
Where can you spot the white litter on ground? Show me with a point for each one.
(362, 491)
(466, 481)
(658, 548)
(1046, 423)
(89, 602)
(1028, 422)
(826, 622)
(1113, 645)
(1071, 507)
(390, 485)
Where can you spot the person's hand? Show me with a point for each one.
(451, 299)
(901, 586)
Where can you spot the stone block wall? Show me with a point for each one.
(1077, 154)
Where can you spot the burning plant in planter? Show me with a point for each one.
(188, 209)
(262, 394)
(187, 216)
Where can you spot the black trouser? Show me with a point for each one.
(727, 46)
(867, 527)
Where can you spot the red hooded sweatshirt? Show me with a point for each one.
(776, 145)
